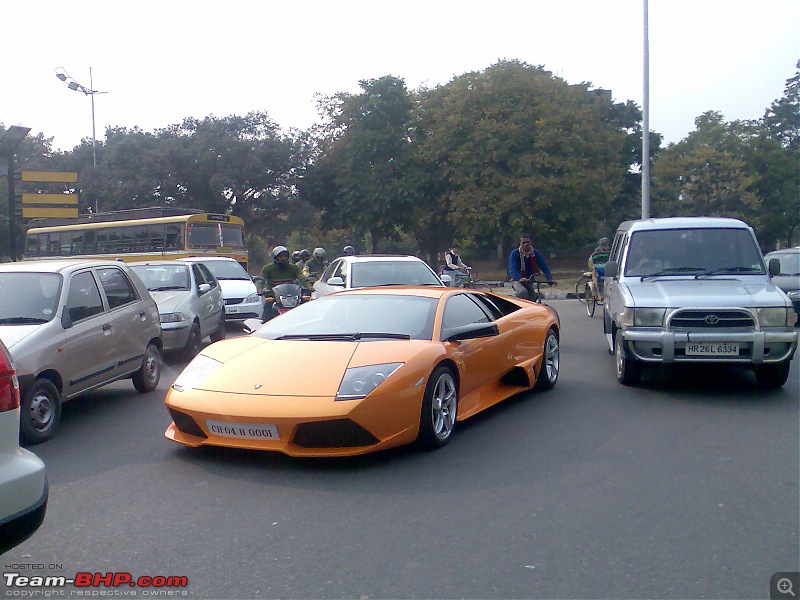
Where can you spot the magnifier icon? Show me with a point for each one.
(784, 586)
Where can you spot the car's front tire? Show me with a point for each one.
(772, 376)
(628, 369)
(146, 379)
(439, 409)
(551, 363)
(40, 412)
(194, 343)
(219, 333)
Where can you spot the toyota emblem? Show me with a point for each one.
(712, 319)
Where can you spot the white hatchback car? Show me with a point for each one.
(371, 270)
(189, 300)
(239, 293)
(23, 482)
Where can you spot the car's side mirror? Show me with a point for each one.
(257, 280)
(66, 318)
(338, 281)
(446, 279)
(471, 331)
(612, 269)
(774, 266)
(203, 288)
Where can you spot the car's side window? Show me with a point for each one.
(83, 299)
(329, 272)
(199, 278)
(461, 310)
(118, 288)
(615, 253)
(488, 305)
(341, 271)
(208, 276)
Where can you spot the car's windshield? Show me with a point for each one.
(698, 252)
(28, 298)
(160, 278)
(391, 272)
(790, 263)
(226, 269)
(349, 314)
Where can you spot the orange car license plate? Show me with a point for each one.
(246, 431)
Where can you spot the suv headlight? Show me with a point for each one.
(360, 381)
(648, 317)
(172, 317)
(773, 317)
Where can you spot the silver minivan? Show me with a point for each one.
(72, 326)
(189, 300)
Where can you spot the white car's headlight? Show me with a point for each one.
(172, 317)
(194, 372)
(648, 317)
(773, 317)
(252, 298)
(360, 381)
(794, 295)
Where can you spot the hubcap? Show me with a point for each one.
(620, 355)
(151, 366)
(444, 406)
(41, 411)
(552, 358)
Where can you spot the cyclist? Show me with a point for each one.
(454, 267)
(523, 264)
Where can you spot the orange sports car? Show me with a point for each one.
(364, 370)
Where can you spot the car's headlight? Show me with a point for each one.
(648, 317)
(360, 381)
(626, 318)
(794, 295)
(252, 298)
(773, 317)
(194, 372)
(172, 317)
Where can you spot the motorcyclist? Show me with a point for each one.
(305, 255)
(315, 266)
(602, 246)
(295, 257)
(277, 272)
(349, 251)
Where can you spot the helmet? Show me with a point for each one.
(602, 240)
(319, 253)
(305, 254)
(277, 250)
(296, 255)
(349, 251)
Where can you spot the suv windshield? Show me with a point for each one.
(695, 252)
(34, 298)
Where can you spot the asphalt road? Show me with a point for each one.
(592, 490)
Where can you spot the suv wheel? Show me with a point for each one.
(628, 370)
(772, 376)
(40, 412)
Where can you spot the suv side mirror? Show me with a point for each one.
(612, 269)
(774, 266)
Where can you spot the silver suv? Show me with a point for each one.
(695, 290)
(71, 326)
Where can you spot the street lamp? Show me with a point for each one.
(90, 91)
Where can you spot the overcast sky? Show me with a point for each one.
(160, 62)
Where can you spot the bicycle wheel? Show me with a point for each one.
(589, 299)
(579, 288)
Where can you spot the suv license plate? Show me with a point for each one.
(244, 431)
(712, 349)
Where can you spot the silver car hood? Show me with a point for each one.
(711, 293)
(169, 300)
(14, 334)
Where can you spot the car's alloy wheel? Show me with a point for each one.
(146, 379)
(439, 409)
(40, 412)
(628, 370)
(551, 362)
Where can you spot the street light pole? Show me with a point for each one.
(646, 119)
(94, 136)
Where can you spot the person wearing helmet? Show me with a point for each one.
(602, 245)
(349, 251)
(305, 255)
(280, 270)
(295, 257)
(315, 265)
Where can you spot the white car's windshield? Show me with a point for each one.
(698, 252)
(355, 316)
(389, 272)
(225, 269)
(160, 278)
(28, 298)
(790, 263)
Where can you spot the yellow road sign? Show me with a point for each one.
(39, 213)
(66, 199)
(54, 176)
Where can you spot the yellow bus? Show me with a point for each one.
(138, 234)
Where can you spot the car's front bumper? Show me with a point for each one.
(175, 335)
(242, 310)
(756, 347)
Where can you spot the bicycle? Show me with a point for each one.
(537, 284)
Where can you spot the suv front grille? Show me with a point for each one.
(711, 320)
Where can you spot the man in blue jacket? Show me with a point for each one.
(523, 263)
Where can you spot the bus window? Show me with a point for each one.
(32, 245)
(174, 238)
(54, 244)
(232, 237)
(203, 235)
(89, 243)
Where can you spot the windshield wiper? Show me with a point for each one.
(22, 320)
(671, 271)
(347, 337)
(167, 288)
(725, 270)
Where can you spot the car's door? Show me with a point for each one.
(480, 360)
(614, 300)
(90, 345)
(128, 317)
(208, 303)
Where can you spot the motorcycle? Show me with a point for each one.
(285, 296)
